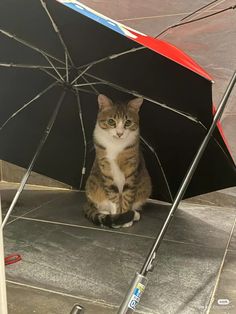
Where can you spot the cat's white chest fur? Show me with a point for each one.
(114, 146)
(118, 176)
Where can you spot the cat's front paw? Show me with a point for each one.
(136, 216)
(127, 225)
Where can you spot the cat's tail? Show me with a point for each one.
(109, 220)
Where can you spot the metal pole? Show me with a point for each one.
(126, 306)
(32, 163)
(3, 294)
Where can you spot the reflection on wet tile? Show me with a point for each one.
(225, 297)
(26, 300)
(90, 264)
(204, 225)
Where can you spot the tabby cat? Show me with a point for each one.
(119, 183)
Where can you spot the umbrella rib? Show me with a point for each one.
(40, 146)
(29, 45)
(194, 20)
(160, 165)
(116, 55)
(57, 31)
(54, 68)
(85, 90)
(136, 94)
(67, 54)
(50, 74)
(111, 57)
(81, 74)
(92, 86)
(28, 66)
(206, 6)
(27, 104)
(84, 138)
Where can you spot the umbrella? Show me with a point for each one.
(86, 54)
(57, 56)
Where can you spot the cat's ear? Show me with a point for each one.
(104, 102)
(135, 103)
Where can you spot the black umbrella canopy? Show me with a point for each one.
(48, 48)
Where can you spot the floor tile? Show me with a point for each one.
(133, 9)
(232, 245)
(203, 41)
(26, 300)
(153, 26)
(226, 289)
(196, 224)
(89, 264)
(28, 200)
(202, 225)
(223, 198)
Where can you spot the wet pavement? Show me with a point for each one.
(67, 260)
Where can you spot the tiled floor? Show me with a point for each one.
(66, 260)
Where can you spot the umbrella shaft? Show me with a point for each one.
(148, 264)
(189, 174)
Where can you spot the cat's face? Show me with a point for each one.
(118, 119)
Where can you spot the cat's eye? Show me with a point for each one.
(128, 123)
(111, 122)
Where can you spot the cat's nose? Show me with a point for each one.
(119, 133)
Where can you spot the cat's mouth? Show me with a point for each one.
(118, 137)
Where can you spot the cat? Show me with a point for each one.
(119, 183)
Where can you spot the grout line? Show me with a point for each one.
(83, 227)
(220, 269)
(95, 302)
(40, 187)
(114, 232)
(232, 250)
(152, 16)
(62, 294)
(33, 209)
(158, 16)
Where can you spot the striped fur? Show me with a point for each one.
(119, 183)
